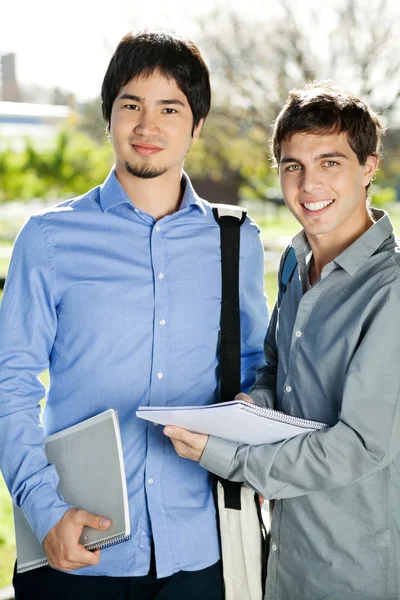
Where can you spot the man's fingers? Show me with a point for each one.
(179, 434)
(82, 517)
(243, 397)
(181, 448)
(186, 443)
(85, 557)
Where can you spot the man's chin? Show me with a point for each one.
(145, 171)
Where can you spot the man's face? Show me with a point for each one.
(151, 126)
(323, 184)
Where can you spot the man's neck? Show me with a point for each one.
(325, 248)
(158, 197)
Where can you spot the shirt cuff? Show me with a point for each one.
(44, 508)
(218, 455)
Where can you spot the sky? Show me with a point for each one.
(69, 44)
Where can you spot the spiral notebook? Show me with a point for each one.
(237, 421)
(89, 461)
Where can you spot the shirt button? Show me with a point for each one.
(288, 388)
(155, 425)
(136, 210)
(298, 334)
(274, 547)
(160, 375)
(157, 228)
(150, 481)
(162, 322)
(160, 276)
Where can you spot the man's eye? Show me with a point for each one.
(293, 168)
(331, 163)
(131, 106)
(169, 111)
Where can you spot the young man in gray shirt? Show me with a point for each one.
(332, 352)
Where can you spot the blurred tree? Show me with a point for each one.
(91, 120)
(254, 65)
(71, 166)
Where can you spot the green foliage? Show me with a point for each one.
(70, 166)
(382, 196)
(229, 149)
(7, 538)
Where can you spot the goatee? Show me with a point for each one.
(144, 171)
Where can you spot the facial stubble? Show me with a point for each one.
(144, 171)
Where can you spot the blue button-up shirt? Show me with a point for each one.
(124, 311)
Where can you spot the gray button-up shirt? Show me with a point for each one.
(335, 528)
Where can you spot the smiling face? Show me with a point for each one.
(324, 186)
(151, 127)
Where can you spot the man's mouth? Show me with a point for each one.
(146, 149)
(317, 206)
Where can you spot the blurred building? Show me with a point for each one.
(10, 91)
(39, 122)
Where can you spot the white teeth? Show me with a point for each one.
(318, 205)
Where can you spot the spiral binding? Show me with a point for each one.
(36, 565)
(276, 415)
(116, 539)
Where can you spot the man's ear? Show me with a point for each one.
(370, 167)
(197, 129)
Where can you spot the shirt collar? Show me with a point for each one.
(359, 251)
(364, 247)
(112, 193)
(190, 198)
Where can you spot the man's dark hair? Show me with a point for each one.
(143, 52)
(320, 108)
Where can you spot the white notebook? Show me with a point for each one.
(237, 421)
(89, 461)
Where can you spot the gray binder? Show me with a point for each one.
(89, 461)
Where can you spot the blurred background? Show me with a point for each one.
(53, 57)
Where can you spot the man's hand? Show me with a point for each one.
(187, 444)
(244, 397)
(62, 546)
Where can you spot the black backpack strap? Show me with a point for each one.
(230, 219)
(288, 268)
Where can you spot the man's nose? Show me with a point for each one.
(310, 181)
(146, 124)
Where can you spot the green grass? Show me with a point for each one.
(7, 540)
(3, 266)
(7, 537)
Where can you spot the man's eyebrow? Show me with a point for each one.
(330, 155)
(171, 101)
(126, 96)
(167, 101)
(333, 154)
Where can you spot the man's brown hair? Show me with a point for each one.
(320, 108)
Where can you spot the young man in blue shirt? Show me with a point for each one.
(118, 293)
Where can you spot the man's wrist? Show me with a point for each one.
(218, 456)
(43, 509)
